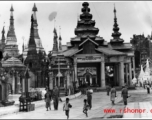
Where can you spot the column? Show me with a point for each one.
(103, 74)
(29, 82)
(117, 74)
(121, 74)
(23, 85)
(13, 84)
(15, 76)
(126, 66)
(75, 72)
(58, 81)
(68, 79)
(134, 67)
(50, 81)
(55, 82)
(130, 74)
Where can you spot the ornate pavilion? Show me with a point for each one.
(87, 56)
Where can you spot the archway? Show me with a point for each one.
(0, 92)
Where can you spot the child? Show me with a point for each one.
(66, 107)
(85, 108)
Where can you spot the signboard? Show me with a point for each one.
(89, 59)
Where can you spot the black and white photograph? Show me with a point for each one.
(75, 59)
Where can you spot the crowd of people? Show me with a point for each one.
(55, 96)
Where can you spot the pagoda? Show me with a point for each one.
(2, 44)
(34, 58)
(36, 37)
(11, 47)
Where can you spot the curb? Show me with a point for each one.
(15, 108)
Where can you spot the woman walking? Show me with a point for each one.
(48, 99)
(113, 95)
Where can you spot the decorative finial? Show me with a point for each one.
(114, 11)
(11, 8)
(34, 8)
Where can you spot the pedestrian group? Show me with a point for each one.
(54, 95)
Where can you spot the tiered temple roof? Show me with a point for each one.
(12, 62)
(86, 27)
(86, 33)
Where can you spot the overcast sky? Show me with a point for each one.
(134, 17)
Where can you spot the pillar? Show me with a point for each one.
(117, 74)
(68, 79)
(75, 72)
(103, 74)
(23, 85)
(121, 74)
(16, 88)
(50, 81)
(13, 84)
(29, 82)
(126, 71)
(130, 74)
(55, 82)
(134, 67)
(58, 81)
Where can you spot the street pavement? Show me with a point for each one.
(100, 102)
(139, 101)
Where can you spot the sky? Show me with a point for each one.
(134, 17)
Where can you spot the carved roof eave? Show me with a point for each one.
(116, 40)
(117, 53)
(76, 52)
(89, 40)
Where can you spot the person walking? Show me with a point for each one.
(113, 95)
(55, 97)
(148, 88)
(89, 98)
(108, 88)
(124, 94)
(85, 107)
(48, 99)
(66, 107)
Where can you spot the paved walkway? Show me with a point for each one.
(138, 110)
(100, 102)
